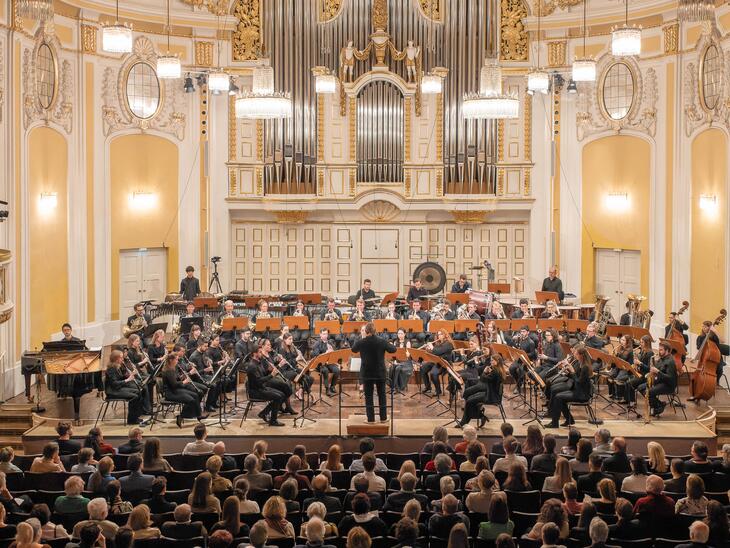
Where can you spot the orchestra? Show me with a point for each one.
(400, 371)
(442, 347)
(123, 383)
(179, 387)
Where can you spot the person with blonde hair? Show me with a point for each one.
(470, 435)
(458, 537)
(99, 480)
(562, 475)
(317, 510)
(219, 484)
(658, 462)
(241, 491)
(358, 538)
(333, 462)
(72, 502)
(695, 503)
(27, 536)
(86, 462)
(606, 504)
(478, 501)
(141, 524)
(6, 530)
(274, 513)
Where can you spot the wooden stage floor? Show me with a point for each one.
(412, 425)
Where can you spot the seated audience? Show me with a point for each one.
(695, 503)
(241, 491)
(570, 499)
(412, 511)
(439, 448)
(201, 498)
(440, 435)
(440, 524)
(481, 466)
(257, 480)
(446, 487)
(220, 539)
(678, 483)
(358, 538)
(655, 506)
(561, 475)
(114, 497)
(699, 534)
(152, 460)
(626, 526)
(200, 446)
(99, 480)
(228, 462)
(722, 466)
(498, 521)
(618, 460)
(7, 454)
(375, 482)
(367, 445)
(458, 536)
(517, 478)
(588, 483)
(314, 531)
(598, 533)
(550, 536)
(90, 535)
(49, 461)
(72, 502)
(533, 441)
(258, 536)
(580, 464)
(259, 451)
(470, 436)
(510, 447)
(293, 465)
(49, 530)
(157, 502)
(28, 535)
(443, 466)
(571, 446)
(698, 464)
(86, 462)
(7, 531)
(606, 503)
(274, 513)
(507, 431)
(406, 533)
(717, 521)
(552, 511)
(362, 517)
(134, 442)
(658, 462)
(183, 528)
(546, 460)
(602, 437)
(135, 480)
(408, 467)
(301, 452)
(124, 538)
(141, 524)
(479, 501)
(580, 531)
(95, 440)
(231, 519)
(474, 450)
(318, 510)
(320, 488)
(98, 512)
(636, 481)
(12, 503)
(219, 483)
(66, 446)
(361, 485)
(333, 462)
(289, 492)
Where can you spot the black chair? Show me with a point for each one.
(163, 407)
(640, 543)
(15, 518)
(209, 519)
(250, 519)
(523, 501)
(721, 497)
(524, 522)
(69, 521)
(475, 520)
(674, 402)
(526, 542)
(47, 497)
(498, 405)
(193, 462)
(120, 461)
(159, 519)
(15, 481)
(395, 460)
(188, 542)
(669, 542)
(436, 542)
(135, 497)
(280, 542)
(383, 542)
(179, 496)
(119, 519)
(48, 481)
(24, 462)
(107, 401)
(181, 479)
(250, 401)
(56, 542)
(536, 479)
(162, 542)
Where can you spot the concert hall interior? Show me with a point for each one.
(311, 224)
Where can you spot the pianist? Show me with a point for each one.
(68, 335)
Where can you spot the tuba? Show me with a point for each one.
(601, 315)
(639, 318)
(138, 324)
(461, 312)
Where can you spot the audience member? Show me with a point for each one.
(201, 498)
(318, 510)
(602, 437)
(658, 463)
(134, 443)
(124, 538)
(152, 460)
(258, 536)
(678, 483)
(439, 448)
(443, 467)
(183, 527)
(654, 506)
(135, 480)
(98, 512)
(406, 533)
(439, 525)
(481, 465)
(7, 530)
(517, 478)
(507, 431)
(550, 536)
(241, 489)
(259, 451)
(580, 531)
(498, 519)
(626, 526)
(227, 461)
(289, 492)
(320, 487)
(588, 483)
(293, 465)
(301, 452)
(552, 511)
(257, 480)
(699, 534)
(545, 461)
(220, 539)
(470, 436)
(396, 501)
(90, 536)
(95, 440)
(510, 447)
(504, 541)
(598, 533)
(375, 482)
(533, 441)
(200, 446)
(367, 445)
(580, 464)
(479, 501)
(219, 483)
(72, 502)
(362, 517)
(157, 502)
(361, 485)
(314, 531)
(86, 462)
(274, 513)
(618, 460)
(49, 461)
(446, 487)
(98, 481)
(7, 454)
(114, 497)
(606, 501)
(717, 521)
(571, 446)
(66, 446)
(28, 534)
(570, 496)
(458, 537)
(636, 481)
(474, 450)
(440, 435)
(141, 524)
(13, 504)
(231, 519)
(333, 462)
(49, 530)
(358, 538)
(698, 464)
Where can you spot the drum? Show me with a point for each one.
(432, 276)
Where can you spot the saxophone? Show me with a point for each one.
(138, 324)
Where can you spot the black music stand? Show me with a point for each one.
(186, 324)
(220, 379)
(148, 331)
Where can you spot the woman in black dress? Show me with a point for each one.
(181, 391)
(488, 390)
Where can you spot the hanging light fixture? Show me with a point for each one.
(262, 102)
(584, 69)
(490, 103)
(38, 10)
(694, 11)
(538, 81)
(431, 83)
(168, 65)
(218, 79)
(116, 38)
(626, 40)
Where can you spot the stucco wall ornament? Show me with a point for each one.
(116, 114)
(591, 117)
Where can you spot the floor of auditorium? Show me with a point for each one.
(413, 421)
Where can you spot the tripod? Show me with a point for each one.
(215, 281)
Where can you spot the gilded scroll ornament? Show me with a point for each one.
(549, 6)
(468, 217)
(440, 127)
(527, 116)
(514, 41)
(232, 128)
(380, 14)
(295, 217)
(320, 128)
(431, 9)
(88, 38)
(353, 182)
(204, 54)
(556, 53)
(232, 183)
(328, 9)
(671, 38)
(439, 182)
(407, 123)
(247, 36)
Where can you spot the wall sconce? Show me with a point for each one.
(617, 201)
(142, 200)
(708, 203)
(48, 201)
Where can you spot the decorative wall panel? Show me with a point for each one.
(333, 258)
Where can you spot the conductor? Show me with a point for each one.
(372, 351)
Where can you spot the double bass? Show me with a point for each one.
(704, 378)
(676, 335)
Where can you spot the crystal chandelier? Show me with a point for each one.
(626, 40)
(116, 38)
(693, 11)
(168, 65)
(38, 10)
(262, 102)
(490, 103)
(538, 81)
(584, 69)
(431, 84)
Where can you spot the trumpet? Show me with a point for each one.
(331, 316)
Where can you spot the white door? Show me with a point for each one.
(142, 277)
(618, 273)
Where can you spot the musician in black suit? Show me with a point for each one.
(523, 311)
(323, 346)
(187, 367)
(664, 372)
(358, 315)
(416, 291)
(581, 374)
(245, 346)
(139, 318)
(707, 330)
(331, 314)
(524, 342)
(190, 285)
(192, 343)
(120, 384)
(417, 314)
(553, 283)
(264, 384)
(205, 372)
(551, 354)
(365, 292)
(372, 351)
(181, 390)
(461, 285)
(487, 390)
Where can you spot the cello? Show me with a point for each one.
(676, 336)
(704, 378)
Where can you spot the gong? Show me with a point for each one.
(432, 276)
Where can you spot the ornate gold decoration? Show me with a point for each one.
(343, 101)
(353, 179)
(500, 181)
(527, 116)
(17, 19)
(353, 129)
(556, 53)
(379, 211)
(246, 40)
(204, 54)
(260, 140)
(320, 128)
(259, 181)
(232, 128)
(671, 38)
(439, 182)
(549, 6)
(5, 316)
(407, 129)
(440, 127)
(468, 217)
(514, 36)
(431, 9)
(296, 217)
(379, 14)
(329, 9)
(88, 38)
(407, 183)
(500, 140)
(320, 182)
(527, 187)
(232, 183)
(216, 7)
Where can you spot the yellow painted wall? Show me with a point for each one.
(707, 274)
(48, 233)
(144, 163)
(615, 164)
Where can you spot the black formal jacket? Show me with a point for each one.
(414, 293)
(397, 501)
(115, 379)
(131, 447)
(667, 371)
(372, 351)
(258, 375)
(332, 504)
(627, 530)
(456, 288)
(553, 351)
(616, 462)
(189, 287)
(553, 285)
(68, 447)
